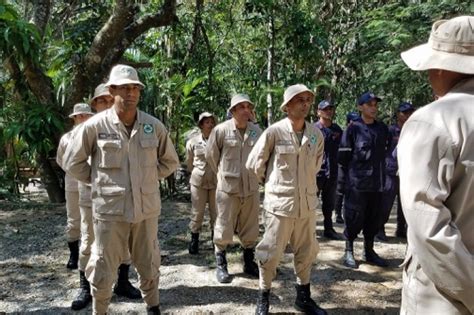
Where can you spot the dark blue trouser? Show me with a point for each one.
(362, 213)
(327, 190)
(392, 190)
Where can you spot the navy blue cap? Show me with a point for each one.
(352, 116)
(324, 104)
(367, 97)
(406, 107)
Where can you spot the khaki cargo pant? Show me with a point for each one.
(87, 228)
(199, 198)
(300, 233)
(236, 215)
(112, 241)
(73, 228)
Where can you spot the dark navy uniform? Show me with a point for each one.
(327, 176)
(362, 163)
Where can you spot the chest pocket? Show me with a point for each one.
(110, 153)
(149, 156)
(232, 148)
(286, 156)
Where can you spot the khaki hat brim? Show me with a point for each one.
(230, 108)
(100, 95)
(79, 113)
(123, 82)
(423, 57)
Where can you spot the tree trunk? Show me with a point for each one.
(50, 180)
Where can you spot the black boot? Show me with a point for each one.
(84, 297)
(338, 208)
(73, 255)
(123, 287)
(349, 260)
(381, 236)
(304, 303)
(331, 234)
(371, 256)
(194, 244)
(263, 302)
(222, 274)
(154, 310)
(250, 267)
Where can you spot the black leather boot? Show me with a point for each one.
(123, 287)
(222, 274)
(154, 310)
(304, 303)
(331, 234)
(263, 302)
(348, 258)
(371, 256)
(250, 267)
(73, 255)
(84, 297)
(194, 244)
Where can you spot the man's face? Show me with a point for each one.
(298, 107)
(102, 103)
(127, 94)
(207, 124)
(369, 110)
(242, 112)
(327, 113)
(78, 119)
(402, 117)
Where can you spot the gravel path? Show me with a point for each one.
(33, 253)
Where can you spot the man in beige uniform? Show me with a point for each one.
(81, 113)
(101, 101)
(436, 168)
(287, 158)
(202, 181)
(130, 151)
(237, 190)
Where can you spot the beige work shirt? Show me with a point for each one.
(124, 170)
(288, 169)
(202, 175)
(70, 183)
(436, 168)
(227, 152)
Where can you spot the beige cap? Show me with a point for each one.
(123, 74)
(291, 92)
(206, 115)
(81, 108)
(101, 90)
(237, 99)
(450, 47)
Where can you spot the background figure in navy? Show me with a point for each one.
(350, 117)
(392, 186)
(327, 176)
(362, 163)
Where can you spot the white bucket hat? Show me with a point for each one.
(81, 108)
(101, 90)
(206, 115)
(123, 74)
(237, 99)
(291, 92)
(450, 47)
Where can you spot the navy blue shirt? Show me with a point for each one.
(332, 138)
(362, 154)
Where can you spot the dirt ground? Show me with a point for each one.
(34, 279)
